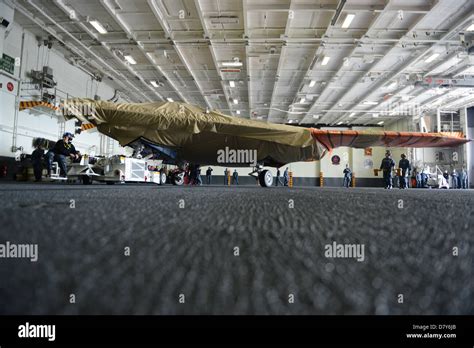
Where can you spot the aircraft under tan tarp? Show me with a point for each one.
(179, 133)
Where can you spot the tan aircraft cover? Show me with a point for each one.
(196, 135)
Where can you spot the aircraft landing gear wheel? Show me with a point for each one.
(178, 179)
(265, 178)
(162, 178)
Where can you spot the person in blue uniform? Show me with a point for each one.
(405, 167)
(277, 181)
(454, 179)
(463, 177)
(235, 176)
(226, 176)
(387, 166)
(286, 177)
(347, 176)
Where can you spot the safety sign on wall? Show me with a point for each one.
(7, 64)
(8, 85)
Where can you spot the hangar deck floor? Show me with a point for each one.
(190, 250)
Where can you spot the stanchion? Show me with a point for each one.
(228, 179)
(290, 182)
(353, 180)
(321, 179)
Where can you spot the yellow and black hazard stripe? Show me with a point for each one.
(33, 104)
(87, 126)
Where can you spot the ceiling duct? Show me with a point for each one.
(224, 19)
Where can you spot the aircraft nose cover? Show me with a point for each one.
(361, 139)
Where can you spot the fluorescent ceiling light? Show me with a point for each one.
(381, 122)
(352, 114)
(232, 84)
(325, 60)
(130, 59)
(170, 100)
(232, 64)
(432, 57)
(339, 123)
(312, 83)
(375, 115)
(347, 22)
(302, 100)
(405, 98)
(392, 85)
(154, 84)
(368, 102)
(316, 116)
(238, 112)
(236, 101)
(99, 27)
(470, 28)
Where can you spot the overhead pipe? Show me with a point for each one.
(65, 8)
(162, 21)
(40, 10)
(213, 53)
(411, 61)
(123, 25)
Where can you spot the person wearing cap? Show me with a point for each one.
(405, 167)
(62, 150)
(387, 166)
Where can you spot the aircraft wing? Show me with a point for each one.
(184, 132)
(361, 139)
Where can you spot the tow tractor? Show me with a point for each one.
(111, 170)
(123, 169)
(86, 170)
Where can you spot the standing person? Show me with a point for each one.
(37, 161)
(454, 178)
(63, 149)
(277, 181)
(446, 177)
(387, 166)
(347, 176)
(286, 177)
(226, 176)
(198, 175)
(424, 178)
(209, 175)
(405, 167)
(189, 174)
(235, 176)
(463, 177)
(418, 178)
